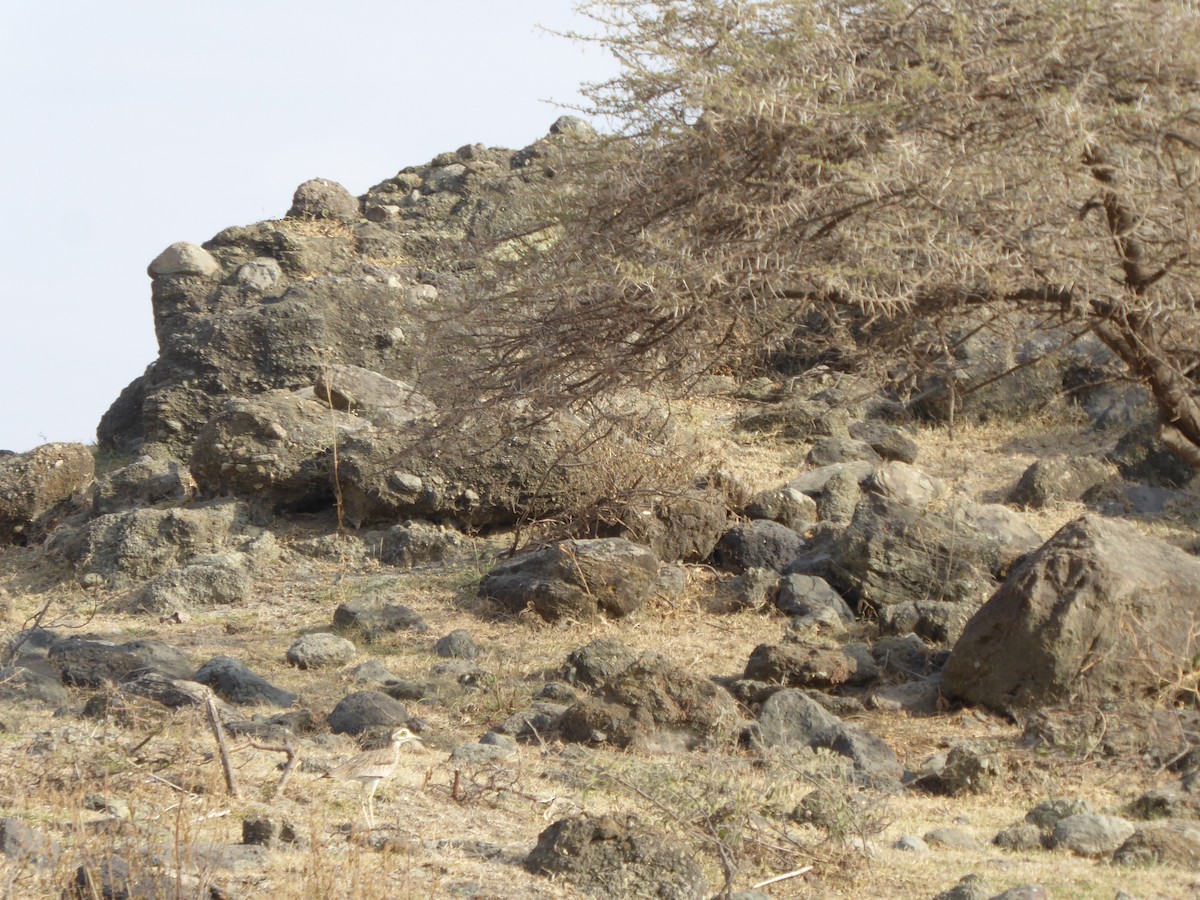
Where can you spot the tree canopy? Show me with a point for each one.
(877, 165)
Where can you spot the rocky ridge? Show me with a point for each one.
(275, 459)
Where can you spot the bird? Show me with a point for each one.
(374, 766)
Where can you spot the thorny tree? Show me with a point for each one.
(885, 163)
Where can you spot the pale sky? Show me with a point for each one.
(131, 124)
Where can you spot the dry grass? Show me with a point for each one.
(455, 830)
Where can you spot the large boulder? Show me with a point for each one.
(32, 484)
(1059, 479)
(894, 553)
(147, 480)
(140, 544)
(274, 450)
(1101, 610)
(576, 579)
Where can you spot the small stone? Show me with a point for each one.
(1048, 813)
(457, 644)
(1088, 834)
(969, 887)
(184, 259)
(259, 275)
(952, 838)
(1022, 837)
(320, 651)
(910, 843)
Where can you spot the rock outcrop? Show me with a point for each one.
(1100, 611)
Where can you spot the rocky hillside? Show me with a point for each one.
(832, 647)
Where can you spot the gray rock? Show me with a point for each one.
(839, 498)
(1140, 456)
(784, 505)
(801, 665)
(1174, 843)
(889, 441)
(320, 651)
(813, 483)
(759, 544)
(917, 698)
(22, 685)
(218, 579)
(23, 844)
(137, 545)
(790, 718)
(85, 661)
(1040, 639)
(183, 259)
(273, 450)
(904, 656)
(233, 681)
(144, 482)
(319, 198)
(1060, 479)
(653, 701)
(910, 843)
(683, 527)
(537, 721)
(262, 275)
(875, 763)
(416, 543)
(893, 553)
(1022, 837)
(32, 484)
(1089, 834)
(965, 771)
(906, 484)
(610, 858)
(373, 618)
(458, 644)
(801, 594)
(365, 711)
(953, 839)
(596, 664)
(575, 579)
(381, 400)
(969, 887)
(573, 126)
(840, 449)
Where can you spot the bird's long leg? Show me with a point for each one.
(371, 808)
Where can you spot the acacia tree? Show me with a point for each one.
(880, 162)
